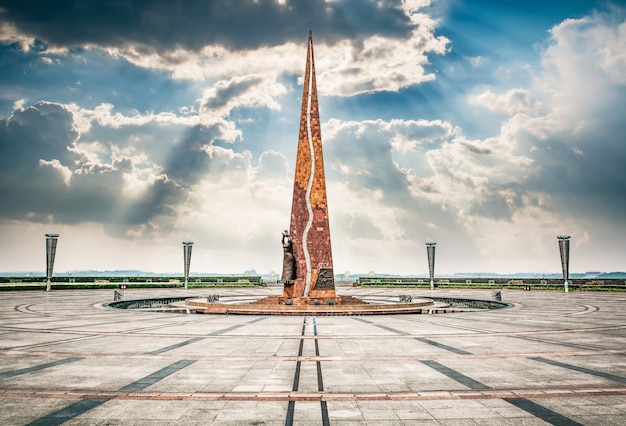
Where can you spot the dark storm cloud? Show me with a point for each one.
(366, 149)
(225, 91)
(21, 142)
(581, 169)
(476, 149)
(495, 205)
(44, 175)
(160, 199)
(167, 24)
(41, 132)
(189, 160)
(33, 141)
(589, 180)
(363, 153)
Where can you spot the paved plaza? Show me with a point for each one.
(553, 358)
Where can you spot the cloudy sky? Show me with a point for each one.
(489, 127)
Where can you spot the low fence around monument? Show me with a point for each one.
(582, 284)
(100, 282)
(96, 282)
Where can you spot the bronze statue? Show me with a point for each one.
(289, 264)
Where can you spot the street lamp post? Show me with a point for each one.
(187, 246)
(430, 249)
(51, 249)
(564, 250)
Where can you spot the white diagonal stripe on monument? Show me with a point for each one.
(305, 247)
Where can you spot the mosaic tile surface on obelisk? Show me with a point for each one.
(309, 227)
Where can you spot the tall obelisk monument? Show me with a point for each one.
(309, 230)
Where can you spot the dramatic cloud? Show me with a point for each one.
(166, 25)
(543, 171)
(143, 124)
(512, 102)
(48, 177)
(363, 47)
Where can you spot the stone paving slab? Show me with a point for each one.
(553, 358)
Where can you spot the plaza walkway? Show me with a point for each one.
(554, 358)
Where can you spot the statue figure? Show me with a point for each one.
(289, 264)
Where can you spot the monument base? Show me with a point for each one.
(344, 305)
(310, 301)
(295, 290)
